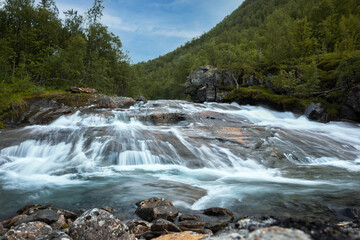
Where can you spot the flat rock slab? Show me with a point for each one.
(46, 216)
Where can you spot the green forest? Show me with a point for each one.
(40, 52)
(289, 46)
(307, 46)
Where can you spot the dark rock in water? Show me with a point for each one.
(46, 216)
(97, 224)
(351, 108)
(156, 207)
(216, 211)
(317, 112)
(187, 217)
(162, 116)
(82, 90)
(55, 236)
(205, 83)
(192, 225)
(162, 226)
(216, 218)
(277, 233)
(141, 99)
(138, 226)
(351, 213)
(29, 230)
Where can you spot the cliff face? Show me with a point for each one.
(206, 84)
(209, 84)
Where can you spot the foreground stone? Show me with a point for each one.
(278, 234)
(97, 224)
(182, 236)
(156, 207)
(29, 230)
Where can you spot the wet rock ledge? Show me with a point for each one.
(158, 219)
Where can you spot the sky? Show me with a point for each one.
(151, 28)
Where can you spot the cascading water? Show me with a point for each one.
(248, 159)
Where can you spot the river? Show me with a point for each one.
(251, 160)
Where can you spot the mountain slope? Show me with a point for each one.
(306, 46)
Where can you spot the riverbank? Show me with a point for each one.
(157, 218)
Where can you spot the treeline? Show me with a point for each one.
(291, 46)
(39, 50)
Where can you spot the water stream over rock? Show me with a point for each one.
(249, 159)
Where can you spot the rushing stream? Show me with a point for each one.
(249, 159)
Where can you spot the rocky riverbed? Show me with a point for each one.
(276, 173)
(157, 218)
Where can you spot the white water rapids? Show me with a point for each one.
(249, 159)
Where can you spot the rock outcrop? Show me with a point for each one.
(317, 112)
(206, 84)
(351, 108)
(44, 109)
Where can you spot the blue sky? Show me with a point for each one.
(151, 28)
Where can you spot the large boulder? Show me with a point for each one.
(317, 112)
(29, 230)
(97, 224)
(156, 207)
(204, 84)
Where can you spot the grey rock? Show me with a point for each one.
(97, 224)
(278, 234)
(45, 215)
(317, 112)
(29, 230)
(156, 207)
(203, 84)
(55, 236)
(351, 108)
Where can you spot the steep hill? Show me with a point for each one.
(289, 46)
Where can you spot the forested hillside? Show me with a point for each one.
(290, 46)
(40, 51)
